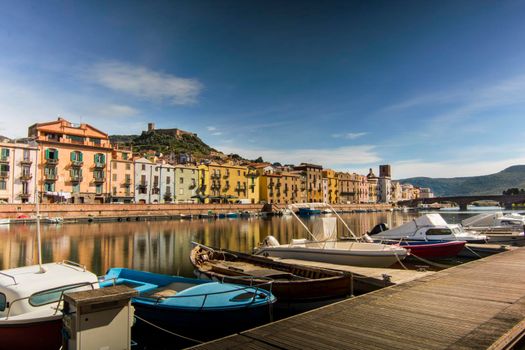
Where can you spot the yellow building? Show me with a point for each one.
(122, 176)
(314, 182)
(332, 193)
(280, 188)
(72, 163)
(372, 187)
(223, 182)
(253, 181)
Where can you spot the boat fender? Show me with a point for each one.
(270, 241)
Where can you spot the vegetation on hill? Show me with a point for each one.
(164, 143)
(512, 177)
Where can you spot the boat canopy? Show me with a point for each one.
(325, 229)
(483, 219)
(410, 228)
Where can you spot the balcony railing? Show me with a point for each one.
(77, 163)
(4, 174)
(4, 159)
(143, 184)
(127, 182)
(100, 165)
(24, 195)
(76, 178)
(26, 161)
(26, 176)
(226, 175)
(216, 176)
(99, 179)
(51, 177)
(52, 161)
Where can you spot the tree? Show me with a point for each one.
(259, 160)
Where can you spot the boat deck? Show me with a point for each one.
(477, 305)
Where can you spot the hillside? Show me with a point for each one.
(164, 142)
(512, 177)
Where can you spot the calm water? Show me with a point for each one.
(163, 246)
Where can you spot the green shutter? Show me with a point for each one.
(80, 156)
(72, 156)
(47, 153)
(56, 154)
(103, 158)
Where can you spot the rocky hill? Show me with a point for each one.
(512, 177)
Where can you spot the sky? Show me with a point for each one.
(433, 88)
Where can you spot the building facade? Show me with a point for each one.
(186, 181)
(314, 185)
(332, 191)
(122, 176)
(72, 162)
(18, 172)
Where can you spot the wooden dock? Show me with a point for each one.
(478, 305)
(367, 279)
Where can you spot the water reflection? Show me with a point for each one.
(159, 246)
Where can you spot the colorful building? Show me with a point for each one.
(280, 188)
(18, 172)
(122, 176)
(186, 180)
(372, 186)
(313, 186)
(219, 183)
(72, 162)
(332, 191)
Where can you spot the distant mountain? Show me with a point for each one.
(512, 177)
(165, 141)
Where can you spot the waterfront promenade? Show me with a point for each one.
(478, 305)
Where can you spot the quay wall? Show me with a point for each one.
(124, 210)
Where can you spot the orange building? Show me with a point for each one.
(313, 185)
(283, 188)
(72, 162)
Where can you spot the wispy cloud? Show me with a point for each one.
(213, 131)
(144, 83)
(349, 135)
(211, 128)
(329, 157)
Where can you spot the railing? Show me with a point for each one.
(51, 177)
(4, 159)
(100, 165)
(99, 178)
(4, 174)
(143, 184)
(24, 195)
(77, 163)
(52, 161)
(216, 176)
(26, 176)
(26, 161)
(76, 178)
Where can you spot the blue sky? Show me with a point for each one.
(434, 88)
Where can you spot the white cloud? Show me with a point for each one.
(115, 110)
(328, 157)
(144, 83)
(217, 133)
(211, 128)
(349, 135)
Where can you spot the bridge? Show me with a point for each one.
(462, 201)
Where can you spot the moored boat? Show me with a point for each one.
(30, 303)
(290, 282)
(433, 249)
(191, 307)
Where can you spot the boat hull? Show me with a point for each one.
(429, 250)
(205, 325)
(45, 335)
(334, 256)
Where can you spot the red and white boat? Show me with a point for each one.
(31, 303)
(433, 249)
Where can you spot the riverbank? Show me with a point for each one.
(128, 212)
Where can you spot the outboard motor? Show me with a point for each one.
(270, 241)
(379, 228)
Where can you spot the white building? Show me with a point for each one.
(18, 167)
(384, 190)
(143, 176)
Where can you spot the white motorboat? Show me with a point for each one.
(500, 228)
(5, 221)
(325, 247)
(428, 227)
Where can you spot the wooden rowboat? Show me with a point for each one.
(290, 283)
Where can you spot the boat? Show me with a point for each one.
(432, 249)
(5, 221)
(495, 221)
(194, 308)
(427, 227)
(232, 215)
(290, 282)
(31, 301)
(307, 211)
(325, 247)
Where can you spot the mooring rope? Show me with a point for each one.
(167, 331)
(429, 262)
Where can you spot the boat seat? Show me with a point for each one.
(168, 290)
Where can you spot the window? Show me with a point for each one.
(76, 156)
(114, 190)
(51, 153)
(3, 185)
(438, 231)
(124, 156)
(143, 166)
(238, 173)
(114, 177)
(27, 155)
(96, 141)
(181, 180)
(168, 180)
(3, 302)
(5, 153)
(100, 158)
(49, 186)
(76, 139)
(98, 188)
(114, 165)
(76, 188)
(128, 166)
(53, 295)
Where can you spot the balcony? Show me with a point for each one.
(227, 175)
(52, 161)
(76, 178)
(155, 190)
(216, 176)
(4, 159)
(143, 184)
(26, 161)
(26, 176)
(77, 163)
(127, 182)
(4, 174)
(24, 195)
(100, 165)
(51, 177)
(99, 179)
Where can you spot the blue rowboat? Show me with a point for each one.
(309, 211)
(194, 308)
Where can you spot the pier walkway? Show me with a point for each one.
(477, 305)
